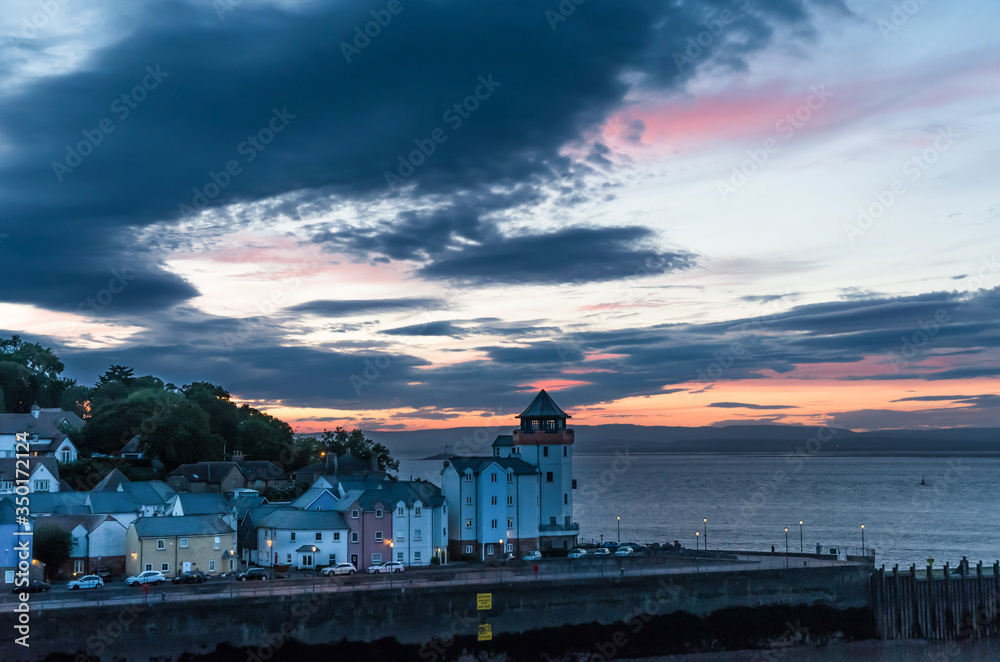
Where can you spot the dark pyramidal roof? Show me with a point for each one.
(543, 407)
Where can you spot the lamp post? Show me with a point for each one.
(786, 541)
(862, 540)
(619, 529)
(705, 520)
(697, 535)
(802, 548)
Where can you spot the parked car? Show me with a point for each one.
(34, 586)
(602, 551)
(87, 581)
(259, 574)
(103, 573)
(624, 550)
(388, 566)
(154, 577)
(532, 556)
(340, 569)
(190, 577)
(611, 544)
(636, 547)
(577, 553)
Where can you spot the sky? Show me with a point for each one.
(416, 213)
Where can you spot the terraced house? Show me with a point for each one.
(174, 545)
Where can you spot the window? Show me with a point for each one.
(468, 549)
(65, 455)
(41, 486)
(211, 565)
(493, 523)
(378, 536)
(184, 543)
(468, 523)
(489, 550)
(468, 478)
(496, 452)
(493, 477)
(376, 557)
(378, 513)
(354, 514)
(336, 536)
(161, 544)
(444, 532)
(149, 566)
(565, 499)
(416, 534)
(468, 501)
(164, 567)
(552, 521)
(232, 565)
(319, 507)
(354, 537)
(400, 536)
(416, 557)
(7, 485)
(510, 523)
(510, 501)
(333, 559)
(545, 451)
(565, 451)
(399, 556)
(548, 476)
(509, 547)
(493, 501)
(517, 450)
(319, 536)
(510, 478)
(291, 539)
(289, 558)
(218, 542)
(401, 511)
(77, 567)
(416, 511)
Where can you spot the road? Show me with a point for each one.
(458, 574)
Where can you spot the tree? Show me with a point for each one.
(116, 373)
(52, 546)
(29, 373)
(341, 441)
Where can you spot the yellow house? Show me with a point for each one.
(174, 545)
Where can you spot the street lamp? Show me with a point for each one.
(786, 541)
(619, 528)
(802, 548)
(697, 534)
(862, 540)
(705, 520)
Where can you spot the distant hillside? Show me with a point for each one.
(725, 439)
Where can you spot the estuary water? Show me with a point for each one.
(749, 499)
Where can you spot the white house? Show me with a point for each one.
(45, 438)
(98, 541)
(302, 538)
(43, 475)
(210, 503)
(419, 519)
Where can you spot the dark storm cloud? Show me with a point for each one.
(350, 307)
(744, 405)
(164, 109)
(440, 328)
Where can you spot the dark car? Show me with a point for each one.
(252, 574)
(34, 586)
(190, 577)
(103, 573)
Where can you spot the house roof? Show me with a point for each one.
(188, 525)
(308, 548)
(8, 467)
(543, 407)
(311, 495)
(42, 427)
(113, 502)
(480, 464)
(262, 470)
(134, 445)
(70, 522)
(257, 513)
(409, 492)
(290, 518)
(344, 465)
(204, 472)
(57, 417)
(60, 503)
(202, 504)
(503, 440)
(245, 503)
(149, 492)
(8, 513)
(111, 482)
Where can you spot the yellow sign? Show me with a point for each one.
(485, 632)
(484, 601)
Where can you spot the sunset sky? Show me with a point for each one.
(677, 213)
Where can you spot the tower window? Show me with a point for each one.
(565, 451)
(545, 451)
(548, 476)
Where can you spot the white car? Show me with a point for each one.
(340, 569)
(577, 553)
(388, 566)
(602, 551)
(624, 550)
(149, 577)
(87, 581)
(532, 556)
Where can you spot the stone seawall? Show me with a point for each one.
(437, 623)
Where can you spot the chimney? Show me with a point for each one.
(374, 462)
(35, 410)
(237, 456)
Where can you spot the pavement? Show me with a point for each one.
(455, 574)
